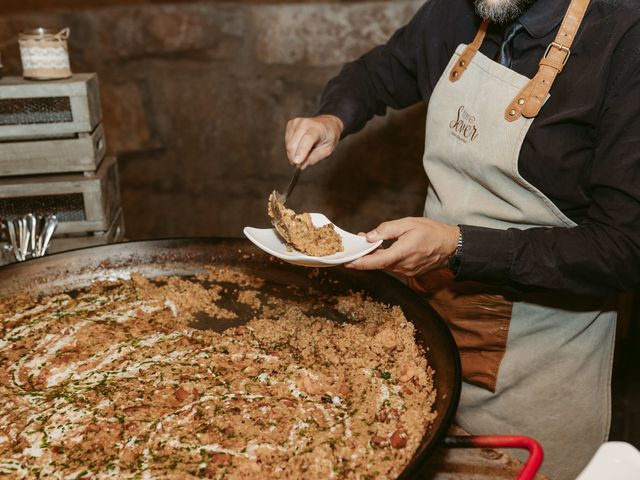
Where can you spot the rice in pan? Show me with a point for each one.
(116, 381)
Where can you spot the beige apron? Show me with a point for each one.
(537, 365)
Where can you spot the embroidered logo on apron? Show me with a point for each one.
(463, 127)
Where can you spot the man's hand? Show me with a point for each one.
(421, 245)
(309, 140)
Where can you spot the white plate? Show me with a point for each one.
(354, 246)
(613, 461)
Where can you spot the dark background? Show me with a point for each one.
(196, 96)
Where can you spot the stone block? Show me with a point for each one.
(251, 117)
(326, 34)
(125, 33)
(125, 118)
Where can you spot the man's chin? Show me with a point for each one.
(501, 11)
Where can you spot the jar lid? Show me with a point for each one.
(42, 33)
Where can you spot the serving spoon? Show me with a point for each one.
(276, 204)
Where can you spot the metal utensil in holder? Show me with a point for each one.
(29, 236)
(44, 54)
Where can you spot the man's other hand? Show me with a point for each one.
(421, 245)
(309, 140)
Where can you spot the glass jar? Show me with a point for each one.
(44, 54)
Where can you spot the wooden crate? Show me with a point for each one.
(72, 242)
(82, 153)
(82, 203)
(49, 109)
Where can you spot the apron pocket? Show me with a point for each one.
(478, 316)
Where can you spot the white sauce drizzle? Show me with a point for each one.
(66, 421)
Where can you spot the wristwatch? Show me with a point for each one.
(456, 257)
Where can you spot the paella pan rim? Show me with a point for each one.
(82, 266)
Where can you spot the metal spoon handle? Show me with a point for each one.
(12, 237)
(25, 238)
(32, 222)
(50, 226)
(292, 183)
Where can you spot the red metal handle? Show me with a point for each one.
(531, 466)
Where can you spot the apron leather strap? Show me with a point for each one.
(469, 53)
(530, 100)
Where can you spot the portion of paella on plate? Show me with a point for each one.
(119, 380)
(300, 233)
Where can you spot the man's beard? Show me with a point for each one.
(501, 11)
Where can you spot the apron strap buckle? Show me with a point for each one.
(529, 101)
(561, 48)
(557, 58)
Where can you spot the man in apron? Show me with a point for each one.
(532, 217)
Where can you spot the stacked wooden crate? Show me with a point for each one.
(53, 160)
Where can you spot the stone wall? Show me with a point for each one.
(196, 97)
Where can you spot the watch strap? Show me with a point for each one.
(455, 260)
